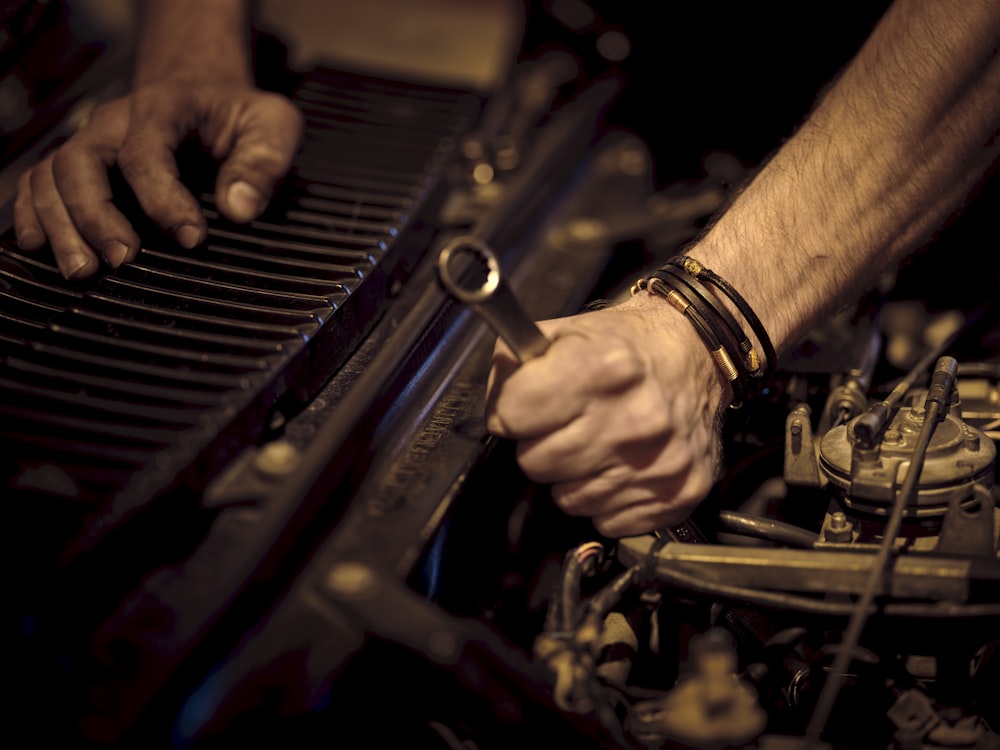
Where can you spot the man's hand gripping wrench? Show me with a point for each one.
(470, 271)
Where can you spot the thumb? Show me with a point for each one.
(267, 138)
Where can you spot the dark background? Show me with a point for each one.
(729, 76)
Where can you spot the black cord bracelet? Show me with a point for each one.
(721, 336)
(722, 357)
(679, 280)
(696, 269)
(748, 355)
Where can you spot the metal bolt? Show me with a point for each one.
(351, 580)
(971, 439)
(839, 529)
(442, 644)
(586, 230)
(276, 459)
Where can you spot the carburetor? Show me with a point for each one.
(866, 460)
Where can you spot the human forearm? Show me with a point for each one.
(887, 155)
(621, 413)
(189, 39)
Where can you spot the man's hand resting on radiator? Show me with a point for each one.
(620, 415)
(66, 198)
(193, 79)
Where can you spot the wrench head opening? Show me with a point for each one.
(469, 269)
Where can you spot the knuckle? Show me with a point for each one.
(677, 460)
(24, 181)
(108, 117)
(621, 360)
(608, 528)
(569, 499)
(39, 174)
(291, 113)
(65, 161)
(650, 421)
(535, 469)
(41, 188)
(254, 161)
(701, 480)
(585, 497)
(133, 159)
(282, 109)
(258, 162)
(91, 226)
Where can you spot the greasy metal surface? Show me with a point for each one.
(845, 571)
(958, 456)
(144, 381)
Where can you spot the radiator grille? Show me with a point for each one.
(145, 381)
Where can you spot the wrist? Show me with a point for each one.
(746, 287)
(722, 318)
(194, 40)
(673, 339)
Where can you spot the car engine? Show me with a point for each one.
(254, 503)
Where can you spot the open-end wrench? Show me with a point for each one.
(469, 270)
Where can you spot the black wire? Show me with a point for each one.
(852, 635)
(605, 599)
(707, 274)
(765, 528)
(567, 600)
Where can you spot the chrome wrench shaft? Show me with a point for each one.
(469, 270)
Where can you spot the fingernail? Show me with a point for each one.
(495, 426)
(74, 265)
(114, 253)
(244, 201)
(29, 239)
(188, 236)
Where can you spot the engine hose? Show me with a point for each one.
(564, 607)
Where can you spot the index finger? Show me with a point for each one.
(80, 169)
(148, 162)
(548, 392)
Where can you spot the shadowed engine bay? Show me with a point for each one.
(334, 547)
